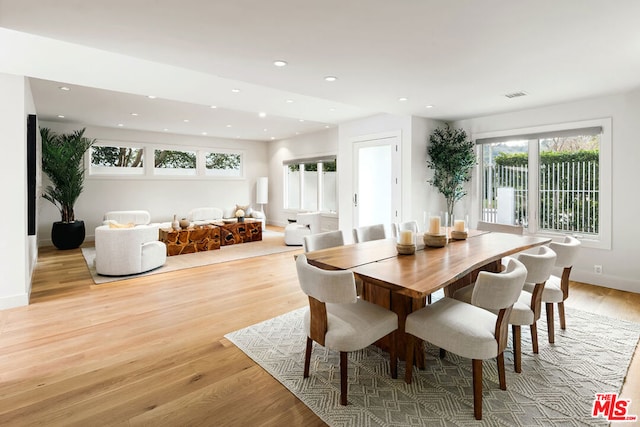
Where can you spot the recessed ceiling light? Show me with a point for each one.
(280, 63)
(265, 129)
(228, 126)
(186, 120)
(165, 129)
(428, 106)
(516, 94)
(402, 99)
(235, 90)
(65, 88)
(262, 114)
(204, 133)
(330, 78)
(214, 106)
(327, 126)
(120, 125)
(60, 116)
(272, 138)
(289, 101)
(151, 96)
(301, 120)
(134, 114)
(332, 109)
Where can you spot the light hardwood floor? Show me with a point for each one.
(151, 351)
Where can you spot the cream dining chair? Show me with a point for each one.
(556, 290)
(397, 227)
(329, 239)
(471, 330)
(500, 228)
(369, 232)
(337, 319)
(526, 310)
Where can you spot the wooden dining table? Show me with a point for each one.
(402, 283)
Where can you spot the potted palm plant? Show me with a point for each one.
(62, 162)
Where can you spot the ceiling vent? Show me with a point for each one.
(516, 94)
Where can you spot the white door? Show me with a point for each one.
(376, 188)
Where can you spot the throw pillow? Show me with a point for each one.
(246, 208)
(118, 225)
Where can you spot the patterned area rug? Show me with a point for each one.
(272, 243)
(557, 387)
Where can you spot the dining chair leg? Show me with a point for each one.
(307, 357)
(502, 376)
(534, 337)
(517, 348)
(549, 310)
(477, 388)
(563, 324)
(393, 355)
(409, 359)
(343, 378)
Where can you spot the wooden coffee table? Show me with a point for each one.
(250, 230)
(191, 240)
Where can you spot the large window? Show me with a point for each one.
(132, 159)
(116, 160)
(547, 181)
(311, 184)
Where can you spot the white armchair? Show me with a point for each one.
(305, 225)
(127, 217)
(124, 251)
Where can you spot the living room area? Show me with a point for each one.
(161, 348)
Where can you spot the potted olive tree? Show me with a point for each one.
(62, 162)
(451, 156)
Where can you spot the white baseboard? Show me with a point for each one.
(13, 301)
(606, 281)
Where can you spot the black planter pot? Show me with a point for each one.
(67, 235)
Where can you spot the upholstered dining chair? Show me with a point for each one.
(471, 330)
(526, 310)
(397, 227)
(329, 239)
(556, 290)
(500, 228)
(339, 320)
(369, 232)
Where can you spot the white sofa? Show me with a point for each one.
(306, 224)
(128, 244)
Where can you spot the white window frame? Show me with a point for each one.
(319, 161)
(113, 170)
(600, 241)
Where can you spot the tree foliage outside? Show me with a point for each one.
(62, 162)
(222, 161)
(330, 166)
(173, 159)
(122, 157)
(450, 154)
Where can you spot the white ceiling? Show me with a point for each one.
(460, 56)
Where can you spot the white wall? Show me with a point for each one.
(16, 252)
(321, 143)
(161, 196)
(620, 266)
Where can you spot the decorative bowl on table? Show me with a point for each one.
(458, 235)
(435, 240)
(404, 249)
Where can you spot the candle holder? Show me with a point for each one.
(434, 237)
(406, 244)
(460, 229)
